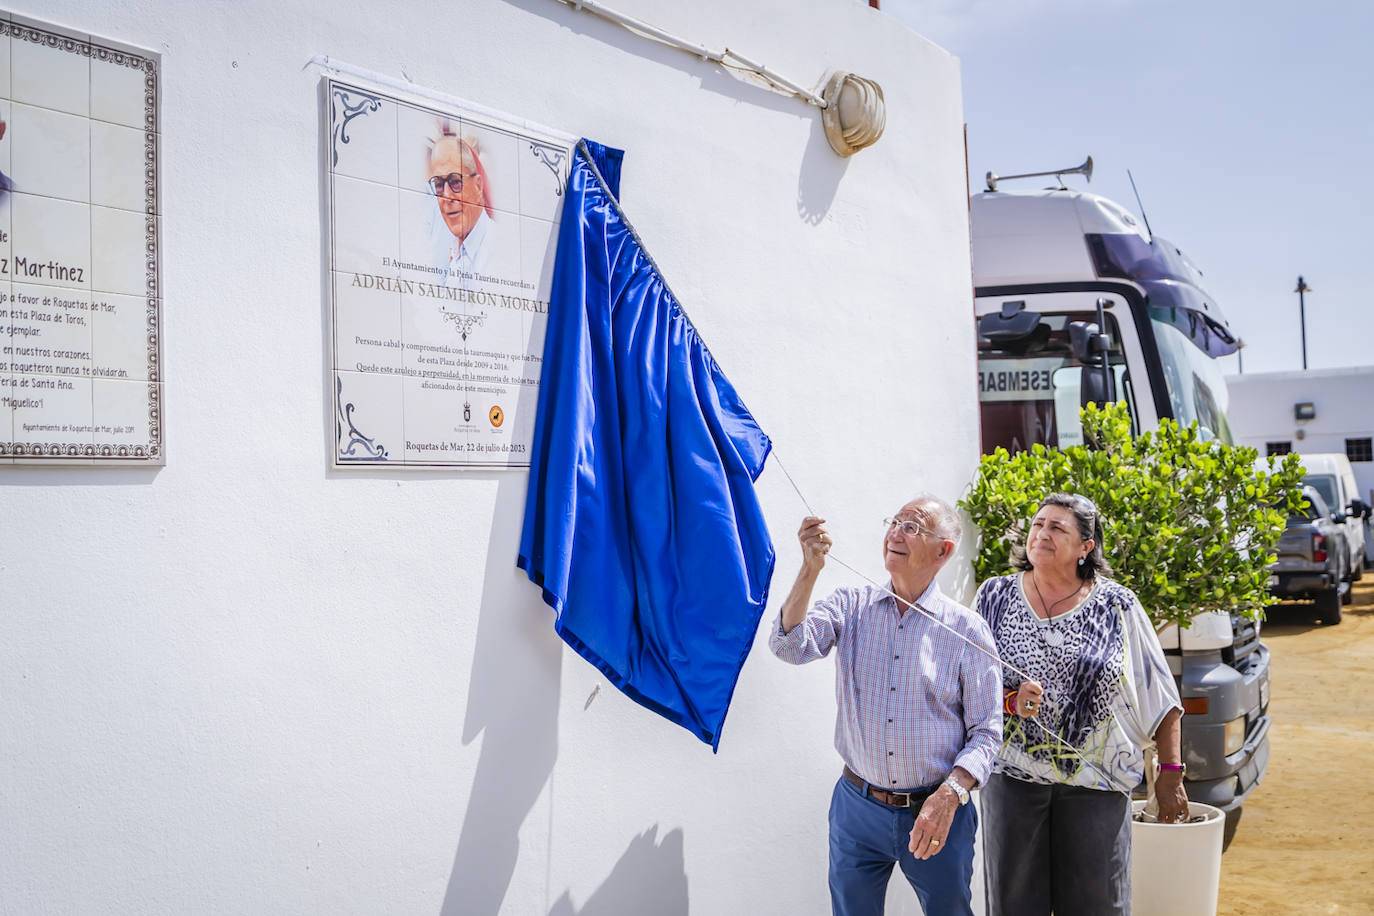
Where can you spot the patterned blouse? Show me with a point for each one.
(1107, 685)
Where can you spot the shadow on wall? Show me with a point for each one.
(513, 704)
(959, 581)
(819, 177)
(649, 878)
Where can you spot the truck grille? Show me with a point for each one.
(1244, 644)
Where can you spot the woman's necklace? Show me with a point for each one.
(1052, 636)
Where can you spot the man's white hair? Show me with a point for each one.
(944, 518)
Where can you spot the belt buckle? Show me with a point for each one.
(902, 799)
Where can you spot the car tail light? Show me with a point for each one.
(1319, 548)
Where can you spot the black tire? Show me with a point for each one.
(1329, 606)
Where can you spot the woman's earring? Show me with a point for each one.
(1080, 561)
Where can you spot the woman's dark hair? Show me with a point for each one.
(1089, 527)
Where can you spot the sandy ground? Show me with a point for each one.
(1306, 841)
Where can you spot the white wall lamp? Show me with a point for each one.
(854, 114)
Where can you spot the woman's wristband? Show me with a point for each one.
(1009, 702)
(1179, 768)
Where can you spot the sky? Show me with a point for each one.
(1249, 129)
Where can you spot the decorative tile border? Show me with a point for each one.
(115, 441)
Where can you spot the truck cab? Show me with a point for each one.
(1076, 300)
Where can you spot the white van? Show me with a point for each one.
(1334, 479)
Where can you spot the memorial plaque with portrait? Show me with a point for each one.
(80, 352)
(443, 223)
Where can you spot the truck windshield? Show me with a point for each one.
(1193, 381)
(1032, 393)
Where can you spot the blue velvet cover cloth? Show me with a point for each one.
(641, 521)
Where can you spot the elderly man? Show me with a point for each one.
(459, 184)
(919, 719)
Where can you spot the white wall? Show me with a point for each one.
(245, 684)
(1261, 411)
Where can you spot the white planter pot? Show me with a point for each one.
(1176, 868)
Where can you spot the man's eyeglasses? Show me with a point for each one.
(453, 181)
(907, 527)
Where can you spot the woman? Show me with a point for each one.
(1057, 809)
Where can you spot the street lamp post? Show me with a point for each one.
(1302, 316)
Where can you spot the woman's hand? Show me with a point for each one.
(1173, 800)
(1028, 698)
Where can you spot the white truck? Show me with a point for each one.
(1051, 268)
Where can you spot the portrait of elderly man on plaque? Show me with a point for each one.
(443, 224)
(464, 230)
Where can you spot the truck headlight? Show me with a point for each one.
(1235, 735)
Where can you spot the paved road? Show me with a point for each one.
(1306, 840)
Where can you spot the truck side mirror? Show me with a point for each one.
(1087, 341)
(1338, 517)
(1096, 385)
(1359, 507)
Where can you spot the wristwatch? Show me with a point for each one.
(958, 789)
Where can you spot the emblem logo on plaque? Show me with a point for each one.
(496, 415)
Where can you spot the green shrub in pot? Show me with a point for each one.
(1191, 524)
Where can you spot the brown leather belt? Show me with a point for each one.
(912, 799)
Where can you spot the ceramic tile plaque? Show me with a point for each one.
(442, 229)
(80, 350)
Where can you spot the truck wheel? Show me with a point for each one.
(1329, 605)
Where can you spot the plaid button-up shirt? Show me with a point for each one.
(913, 699)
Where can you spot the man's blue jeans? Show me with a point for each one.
(867, 837)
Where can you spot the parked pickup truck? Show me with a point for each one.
(1313, 556)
